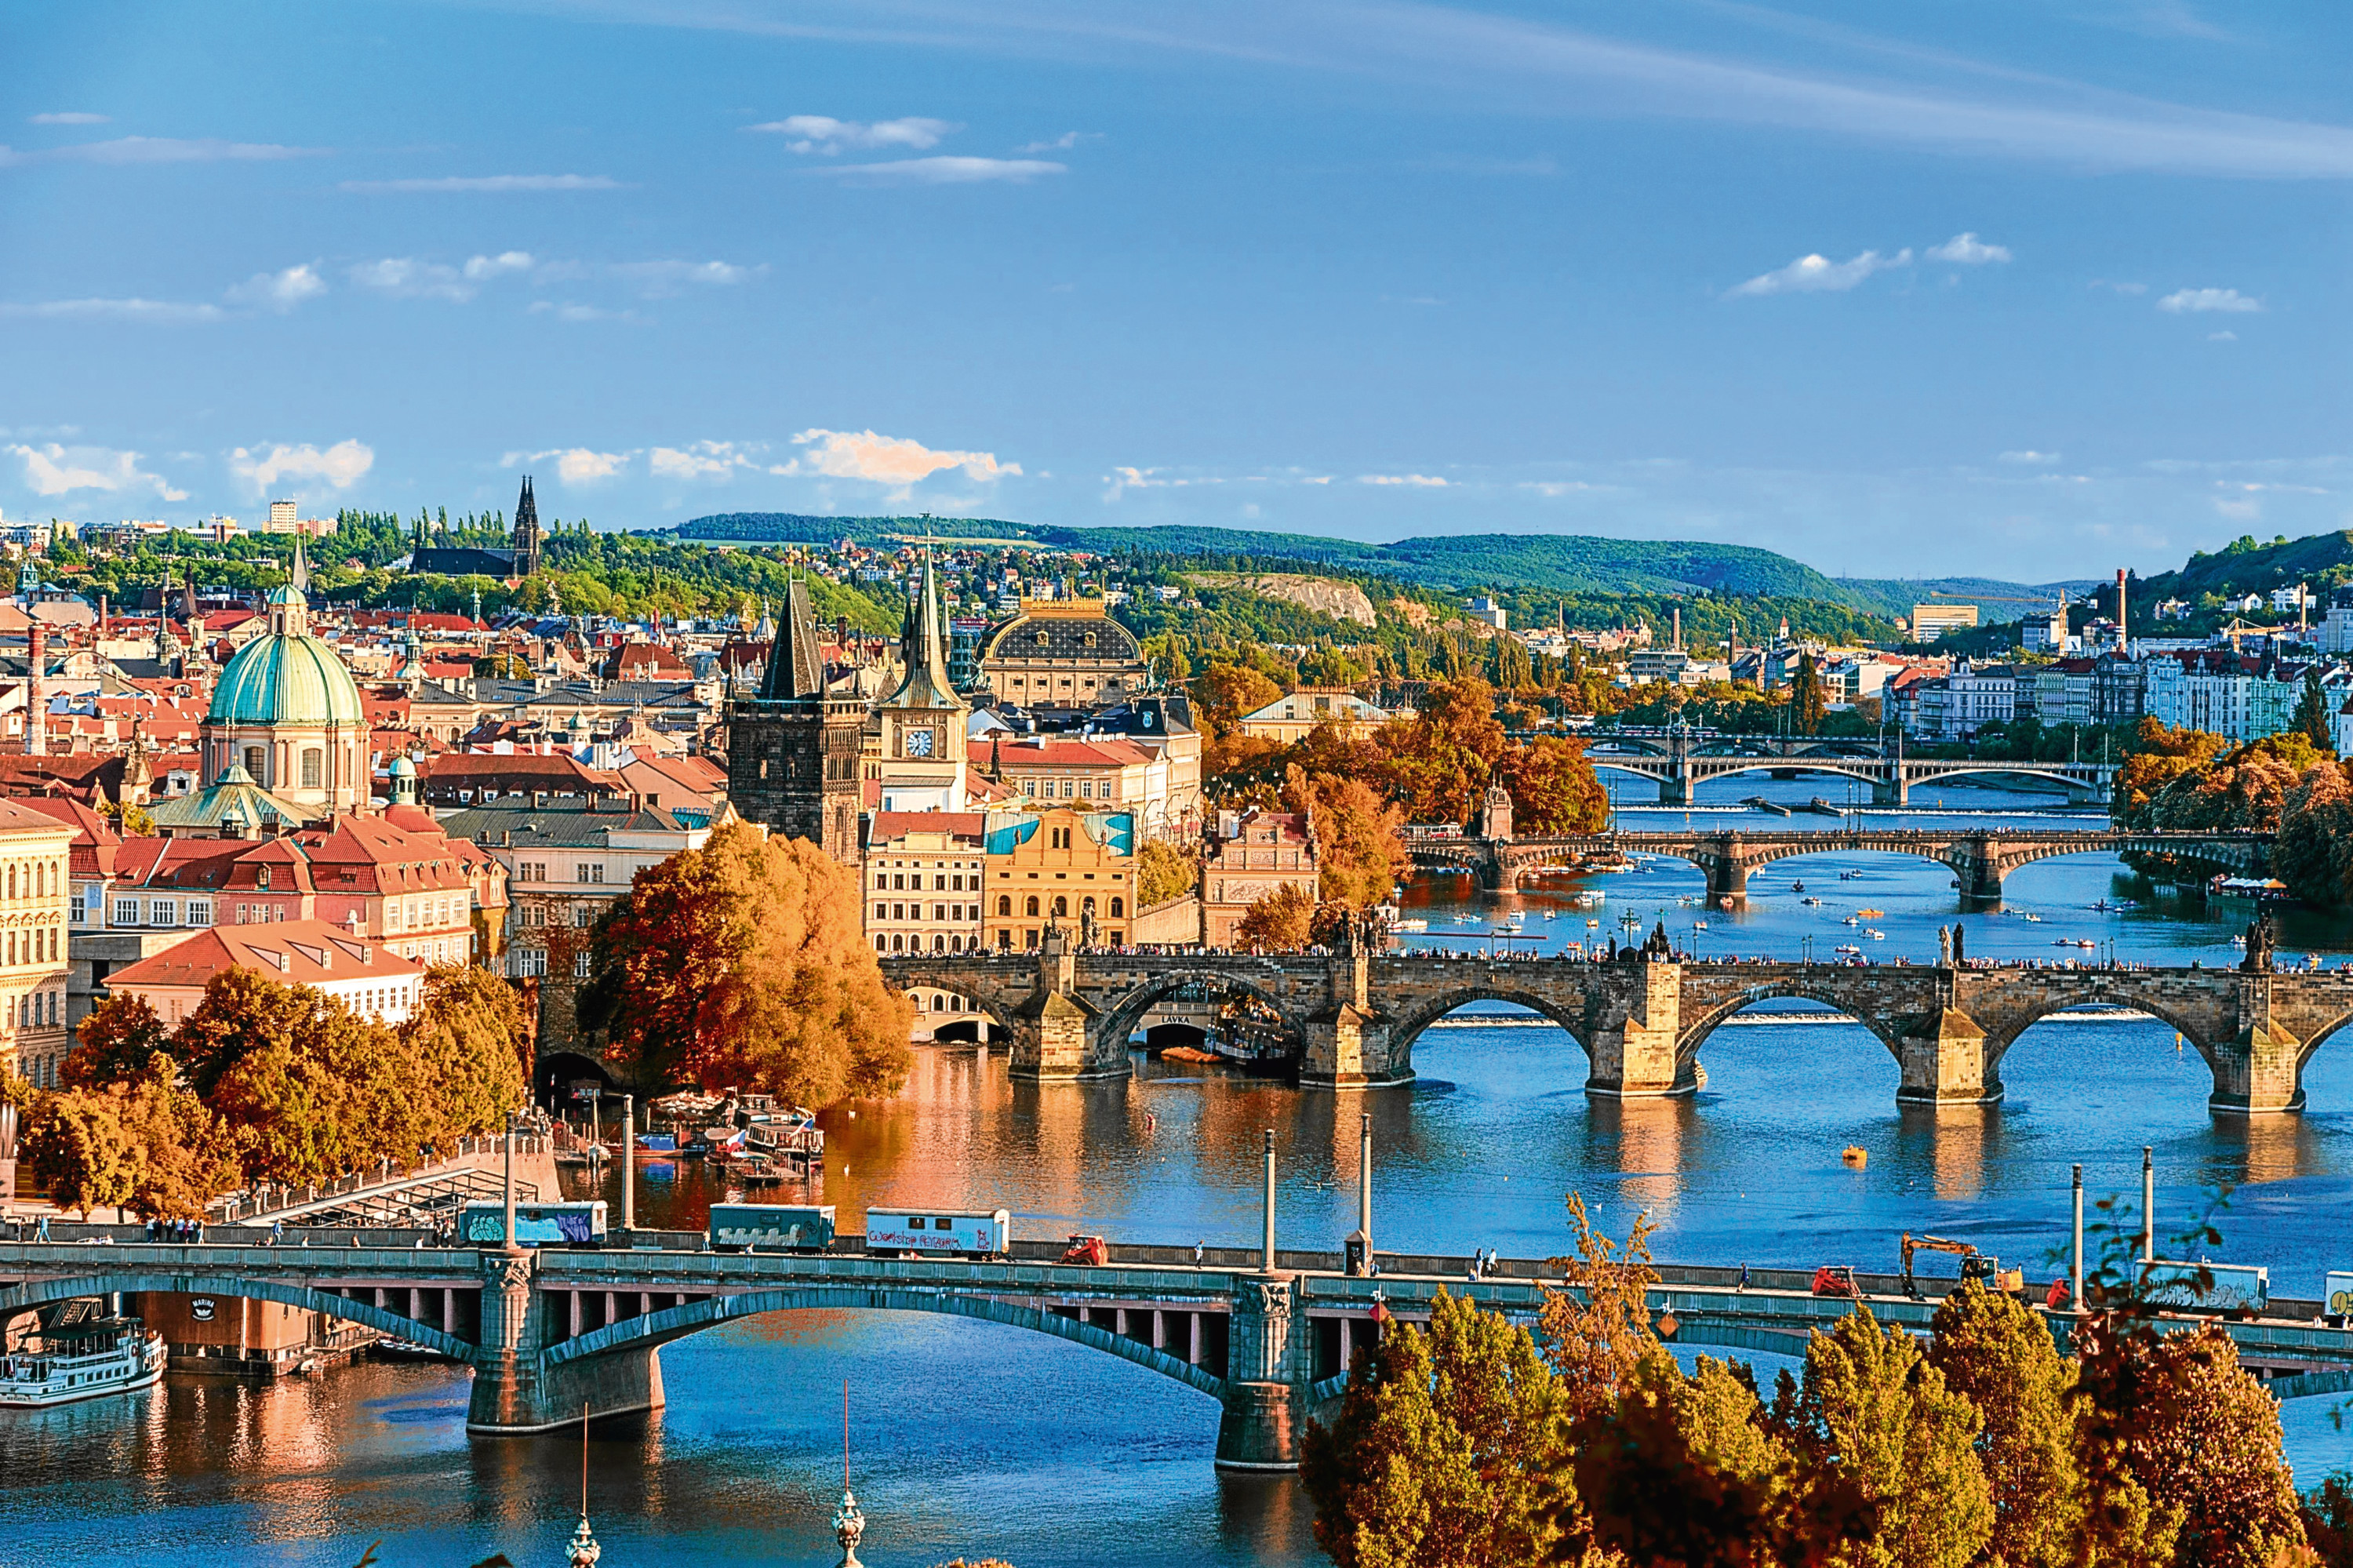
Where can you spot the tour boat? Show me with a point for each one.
(73, 1351)
(1875, 935)
(1410, 926)
(1851, 951)
(1699, 924)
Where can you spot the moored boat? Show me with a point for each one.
(74, 1350)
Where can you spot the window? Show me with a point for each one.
(313, 765)
(1086, 788)
(529, 961)
(1061, 904)
(1004, 904)
(879, 944)
(126, 911)
(939, 911)
(1087, 905)
(898, 912)
(261, 878)
(1061, 838)
(1030, 907)
(580, 963)
(881, 882)
(899, 883)
(200, 911)
(253, 763)
(939, 945)
(881, 912)
(164, 912)
(1117, 907)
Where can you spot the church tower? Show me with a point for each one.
(793, 749)
(923, 720)
(526, 531)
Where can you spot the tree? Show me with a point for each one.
(2158, 756)
(115, 1042)
(1359, 851)
(2000, 1358)
(76, 1144)
(1553, 790)
(471, 1043)
(1597, 1330)
(2312, 713)
(1164, 872)
(1805, 705)
(744, 963)
(186, 1154)
(1282, 921)
(1876, 1415)
(1436, 764)
(2315, 852)
(1447, 1451)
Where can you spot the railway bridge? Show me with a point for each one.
(551, 1333)
(1979, 858)
(1642, 1023)
(1680, 763)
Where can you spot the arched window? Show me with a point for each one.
(898, 943)
(878, 944)
(12, 880)
(1005, 904)
(1117, 907)
(939, 943)
(1030, 907)
(1061, 904)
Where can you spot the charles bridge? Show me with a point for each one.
(553, 1333)
(1641, 1022)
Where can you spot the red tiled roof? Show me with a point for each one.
(292, 952)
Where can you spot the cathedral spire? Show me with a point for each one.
(923, 650)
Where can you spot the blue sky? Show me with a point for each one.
(2034, 288)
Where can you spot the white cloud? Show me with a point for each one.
(67, 117)
(158, 150)
(824, 134)
(2199, 299)
(339, 466)
(657, 278)
(1819, 274)
(1061, 144)
(887, 460)
(491, 184)
(1555, 487)
(280, 291)
(948, 170)
(1966, 251)
(55, 470)
(412, 278)
(576, 465)
(1427, 481)
(481, 267)
(2221, 337)
(2030, 459)
(162, 311)
(571, 310)
(704, 460)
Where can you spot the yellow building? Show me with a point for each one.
(1058, 867)
(1290, 717)
(1063, 654)
(34, 893)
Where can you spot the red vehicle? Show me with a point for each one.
(1836, 1279)
(1089, 1251)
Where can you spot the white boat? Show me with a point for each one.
(1409, 925)
(1699, 924)
(75, 1352)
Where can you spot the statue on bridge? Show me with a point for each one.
(1944, 947)
(2259, 945)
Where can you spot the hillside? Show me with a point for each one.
(2244, 567)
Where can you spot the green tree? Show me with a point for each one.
(1874, 1412)
(1447, 1449)
(1807, 706)
(2000, 1356)
(2312, 715)
(471, 1043)
(744, 962)
(1164, 872)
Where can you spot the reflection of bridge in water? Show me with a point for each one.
(552, 1332)
(1978, 857)
(1642, 1025)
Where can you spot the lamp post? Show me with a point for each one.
(629, 1163)
(1267, 1264)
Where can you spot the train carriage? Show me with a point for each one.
(961, 1232)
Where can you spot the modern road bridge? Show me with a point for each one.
(1641, 1022)
(550, 1333)
(1680, 763)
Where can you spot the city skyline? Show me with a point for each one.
(2005, 293)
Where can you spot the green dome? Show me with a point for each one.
(286, 678)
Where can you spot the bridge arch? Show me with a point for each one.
(907, 974)
(2006, 1031)
(40, 1292)
(1123, 1012)
(1410, 1025)
(1823, 992)
(677, 1322)
(1707, 769)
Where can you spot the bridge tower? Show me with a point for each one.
(516, 1391)
(1056, 1033)
(1675, 787)
(1349, 1041)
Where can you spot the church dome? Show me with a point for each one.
(287, 677)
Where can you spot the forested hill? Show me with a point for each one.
(1543, 563)
(2245, 566)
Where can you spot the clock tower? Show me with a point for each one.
(923, 720)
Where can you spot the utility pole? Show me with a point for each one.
(628, 1163)
(2148, 1204)
(2076, 1297)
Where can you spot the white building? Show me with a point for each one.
(364, 975)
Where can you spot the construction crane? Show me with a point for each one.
(1975, 1265)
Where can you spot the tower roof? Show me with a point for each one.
(926, 684)
(796, 662)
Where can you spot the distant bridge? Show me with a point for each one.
(1354, 1016)
(1980, 859)
(551, 1333)
(1680, 763)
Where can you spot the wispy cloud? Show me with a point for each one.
(481, 268)
(576, 466)
(821, 133)
(701, 460)
(337, 467)
(573, 311)
(1819, 274)
(2029, 459)
(1061, 144)
(67, 117)
(1425, 481)
(157, 150)
(2198, 301)
(1966, 251)
(886, 460)
(485, 185)
(54, 470)
(280, 291)
(167, 313)
(947, 170)
(658, 279)
(411, 277)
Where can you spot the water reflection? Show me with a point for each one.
(1643, 1141)
(1954, 1142)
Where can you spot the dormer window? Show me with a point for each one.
(261, 878)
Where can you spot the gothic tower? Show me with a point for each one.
(793, 749)
(923, 720)
(526, 531)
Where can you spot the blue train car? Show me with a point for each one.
(537, 1225)
(951, 1232)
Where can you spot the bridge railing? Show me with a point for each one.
(387, 1176)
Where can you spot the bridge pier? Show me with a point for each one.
(1727, 877)
(1896, 790)
(2260, 1072)
(515, 1392)
(1675, 791)
(1349, 1043)
(1943, 1059)
(1057, 1033)
(1267, 1352)
(1640, 1026)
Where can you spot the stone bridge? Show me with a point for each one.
(554, 1332)
(1641, 1025)
(1679, 766)
(1980, 859)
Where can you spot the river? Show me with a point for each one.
(977, 1440)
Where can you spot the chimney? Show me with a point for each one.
(37, 718)
(2123, 636)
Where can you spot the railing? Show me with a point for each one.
(387, 1174)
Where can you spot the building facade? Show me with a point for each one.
(36, 889)
(1062, 655)
(1254, 856)
(1073, 870)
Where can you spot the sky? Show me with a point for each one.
(2021, 287)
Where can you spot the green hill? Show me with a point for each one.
(2245, 566)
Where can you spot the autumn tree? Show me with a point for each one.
(1553, 788)
(1282, 921)
(114, 1043)
(2159, 753)
(1436, 764)
(1596, 1329)
(1447, 1450)
(470, 1042)
(1359, 850)
(2314, 854)
(186, 1153)
(2000, 1356)
(1875, 1415)
(1162, 872)
(76, 1145)
(745, 963)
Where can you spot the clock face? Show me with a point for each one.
(919, 743)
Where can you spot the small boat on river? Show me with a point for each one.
(74, 1350)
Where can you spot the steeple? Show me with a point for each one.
(923, 652)
(526, 531)
(796, 662)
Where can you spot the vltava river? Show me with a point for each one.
(971, 1439)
